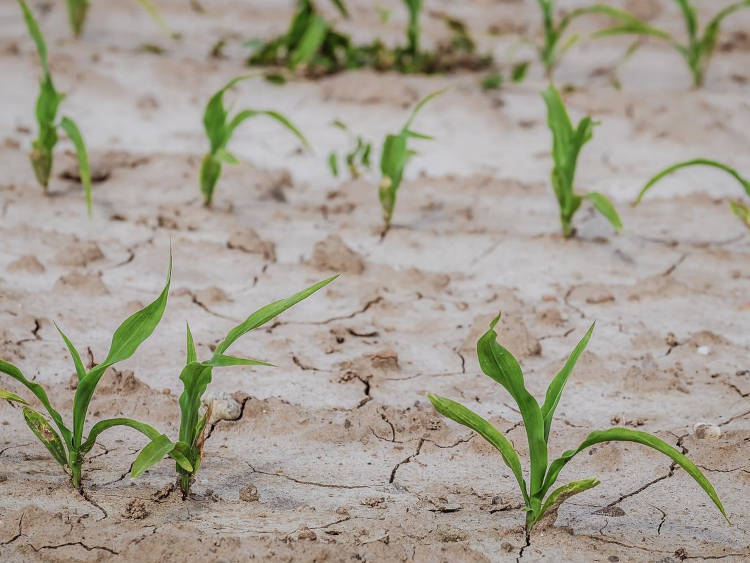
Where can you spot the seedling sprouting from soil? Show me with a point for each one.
(47, 104)
(738, 208)
(357, 159)
(566, 146)
(67, 445)
(500, 365)
(219, 130)
(78, 10)
(195, 378)
(699, 48)
(553, 48)
(310, 40)
(393, 160)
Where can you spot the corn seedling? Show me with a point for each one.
(739, 209)
(393, 160)
(47, 104)
(566, 146)
(219, 130)
(698, 49)
(500, 365)
(195, 378)
(310, 40)
(357, 159)
(67, 445)
(554, 47)
(78, 10)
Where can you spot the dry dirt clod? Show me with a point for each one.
(135, 510)
(334, 255)
(29, 264)
(249, 493)
(224, 407)
(79, 254)
(249, 241)
(307, 534)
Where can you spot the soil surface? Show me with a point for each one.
(335, 453)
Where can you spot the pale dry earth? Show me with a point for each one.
(348, 458)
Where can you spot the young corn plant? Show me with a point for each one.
(195, 377)
(47, 104)
(78, 10)
(393, 160)
(219, 130)
(700, 46)
(566, 146)
(740, 209)
(499, 364)
(68, 445)
(357, 159)
(310, 40)
(554, 47)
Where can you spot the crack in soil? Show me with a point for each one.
(406, 460)
(312, 483)
(360, 311)
(78, 543)
(19, 533)
(91, 501)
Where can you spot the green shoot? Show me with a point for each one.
(78, 10)
(499, 364)
(47, 104)
(219, 130)
(67, 445)
(357, 159)
(698, 49)
(413, 29)
(393, 160)
(554, 47)
(566, 146)
(739, 209)
(195, 378)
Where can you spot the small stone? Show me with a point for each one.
(342, 511)
(704, 430)
(613, 558)
(223, 406)
(704, 350)
(449, 534)
(385, 359)
(507, 547)
(249, 493)
(307, 534)
(135, 510)
(615, 511)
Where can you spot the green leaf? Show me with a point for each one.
(227, 361)
(311, 41)
(462, 415)
(557, 385)
(145, 429)
(209, 175)
(420, 105)
(36, 34)
(246, 114)
(11, 397)
(265, 314)
(155, 15)
(713, 28)
(46, 434)
(224, 155)
(694, 162)
(41, 394)
(153, 453)
(499, 364)
(333, 164)
(192, 355)
(561, 494)
(125, 341)
(180, 453)
(742, 211)
(80, 369)
(519, 71)
(627, 435)
(72, 131)
(605, 207)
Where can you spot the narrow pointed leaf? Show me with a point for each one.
(561, 494)
(557, 385)
(145, 429)
(265, 314)
(11, 397)
(605, 207)
(227, 361)
(46, 434)
(192, 355)
(153, 453)
(80, 369)
(627, 435)
(84, 168)
(459, 413)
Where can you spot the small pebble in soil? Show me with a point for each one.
(249, 493)
(706, 430)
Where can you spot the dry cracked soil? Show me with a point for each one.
(335, 454)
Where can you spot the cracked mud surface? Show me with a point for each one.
(335, 453)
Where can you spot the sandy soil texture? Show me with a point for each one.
(335, 454)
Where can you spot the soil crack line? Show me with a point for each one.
(406, 460)
(312, 483)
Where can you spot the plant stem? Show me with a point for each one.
(567, 228)
(75, 468)
(185, 479)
